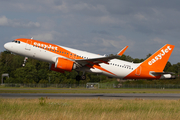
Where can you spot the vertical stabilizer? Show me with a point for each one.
(158, 60)
(153, 64)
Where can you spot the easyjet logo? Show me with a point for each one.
(160, 55)
(45, 46)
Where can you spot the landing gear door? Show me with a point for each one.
(28, 45)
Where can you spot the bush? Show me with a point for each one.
(42, 101)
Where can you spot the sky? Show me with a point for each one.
(97, 26)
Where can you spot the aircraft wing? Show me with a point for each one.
(96, 61)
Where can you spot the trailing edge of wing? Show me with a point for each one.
(103, 59)
(96, 60)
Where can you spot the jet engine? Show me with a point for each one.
(52, 67)
(64, 64)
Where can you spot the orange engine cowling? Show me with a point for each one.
(52, 67)
(64, 64)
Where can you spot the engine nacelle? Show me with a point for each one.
(64, 64)
(168, 76)
(52, 67)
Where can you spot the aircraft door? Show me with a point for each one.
(138, 71)
(28, 45)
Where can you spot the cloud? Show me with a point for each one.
(4, 21)
(160, 41)
(101, 26)
(120, 42)
(43, 36)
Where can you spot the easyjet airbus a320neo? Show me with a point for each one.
(63, 59)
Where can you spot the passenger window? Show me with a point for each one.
(19, 42)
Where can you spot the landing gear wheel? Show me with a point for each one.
(78, 78)
(83, 77)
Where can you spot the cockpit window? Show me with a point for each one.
(16, 41)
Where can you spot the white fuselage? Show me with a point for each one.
(116, 68)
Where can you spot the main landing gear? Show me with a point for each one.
(79, 77)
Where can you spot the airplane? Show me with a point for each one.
(63, 59)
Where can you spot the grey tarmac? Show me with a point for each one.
(170, 96)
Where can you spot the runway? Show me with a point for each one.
(89, 96)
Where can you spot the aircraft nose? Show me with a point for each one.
(7, 46)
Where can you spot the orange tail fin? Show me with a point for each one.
(159, 59)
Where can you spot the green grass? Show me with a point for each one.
(68, 90)
(89, 109)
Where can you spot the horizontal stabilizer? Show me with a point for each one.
(161, 73)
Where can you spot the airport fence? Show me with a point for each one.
(96, 86)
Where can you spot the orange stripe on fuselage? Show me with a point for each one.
(56, 49)
(51, 48)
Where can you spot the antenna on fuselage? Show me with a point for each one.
(31, 38)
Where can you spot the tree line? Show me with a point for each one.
(36, 71)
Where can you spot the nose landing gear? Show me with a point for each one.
(25, 60)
